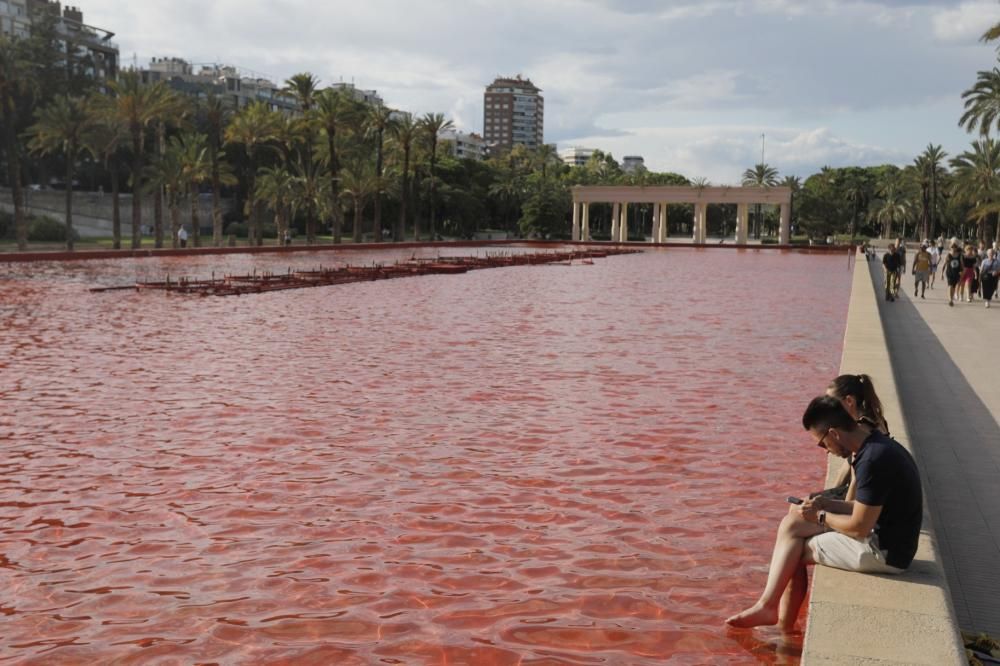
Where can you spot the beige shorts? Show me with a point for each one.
(833, 549)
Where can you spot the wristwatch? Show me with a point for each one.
(821, 518)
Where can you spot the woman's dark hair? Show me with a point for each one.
(827, 412)
(860, 388)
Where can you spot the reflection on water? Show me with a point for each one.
(541, 464)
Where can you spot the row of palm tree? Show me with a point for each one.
(334, 153)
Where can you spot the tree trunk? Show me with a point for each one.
(69, 199)
(216, 202)
(175, 220)
(158, 193)
(136, 187)
(195, 219)
(377, 222)
(433, 220)
(357, 219)
(116, 216)
(14, 173)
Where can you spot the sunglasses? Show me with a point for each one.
(821, 443)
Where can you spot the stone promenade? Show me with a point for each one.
(946, 362)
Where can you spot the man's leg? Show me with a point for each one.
(789, 556)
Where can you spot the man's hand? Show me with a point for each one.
(810, 508)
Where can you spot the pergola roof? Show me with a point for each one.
(680, 194)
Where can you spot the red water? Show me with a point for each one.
(535, 465)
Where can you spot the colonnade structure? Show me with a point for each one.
(621, 197)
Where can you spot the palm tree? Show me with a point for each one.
(977, 182)
(893, 206)
(215, 118)
(275, 189)
(761, 175)
(108, 135)
(546, 155)
(405, 131)
(359, 185)
(308, 191)
(252, 128)
(65, 128)
(433, 124)
(168, 172)
(379, 120)
(136, 106)
(16, 83)
(334, 110)
(198, 169)
(982, 103)
(930, 162)
(794, 183)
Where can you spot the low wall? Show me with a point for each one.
(866, 619)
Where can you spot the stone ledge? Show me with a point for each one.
(867, 619)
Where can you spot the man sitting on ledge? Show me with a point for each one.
(875, 533)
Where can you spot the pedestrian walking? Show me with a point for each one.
(952, 272)
(989, 274)
(890, 263)
(182, 236)
(935, 253)
(970, 262)
(921, 270)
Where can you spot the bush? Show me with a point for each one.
(238, 229)
(47, 230)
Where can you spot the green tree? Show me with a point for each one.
(109, 134)
(359, 185)
(65, 128)
(253, 128)
(405, 132)
(276, 189)
(17, 88)
(214, 117)
(977, 182)
(892, 207)
(167, 171)
(982, 103)
(433, 124)
(545, 212)
(378, 121)
(764, 176)
(136, 106)
(334, 112)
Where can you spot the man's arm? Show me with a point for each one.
(857, 524)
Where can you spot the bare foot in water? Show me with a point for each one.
(755, 616)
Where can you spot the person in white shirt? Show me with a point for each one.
(182, 236)
(935, 260)
(989, 272)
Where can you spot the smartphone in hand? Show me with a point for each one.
(793, 500)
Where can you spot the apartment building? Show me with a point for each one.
(90, 47)
(513, 114)
(464, 145)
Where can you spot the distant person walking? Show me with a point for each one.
(890, 262)
(935, 253)
(952, 272)
(970, 262)
(182, 237)
(989, 274)
(921, 270)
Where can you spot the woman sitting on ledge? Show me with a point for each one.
(875, 533)
(857, 394)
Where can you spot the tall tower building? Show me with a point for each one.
(513, 114)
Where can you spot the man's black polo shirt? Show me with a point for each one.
(887, 476)
(891, 261)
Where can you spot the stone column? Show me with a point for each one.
(742, 222)
(699, 223)
(655, 233)
(576, 220)
(616, 218)
(662, 238)
(623, 225)
(585, 231)
(784, 228)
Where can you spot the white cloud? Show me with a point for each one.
(967, 22)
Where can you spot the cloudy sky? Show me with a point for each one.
(691, 86)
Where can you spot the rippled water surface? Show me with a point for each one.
(536, 465)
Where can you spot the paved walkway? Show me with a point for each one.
(946, 362)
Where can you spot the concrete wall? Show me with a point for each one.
(92, 210)
(865, 619)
